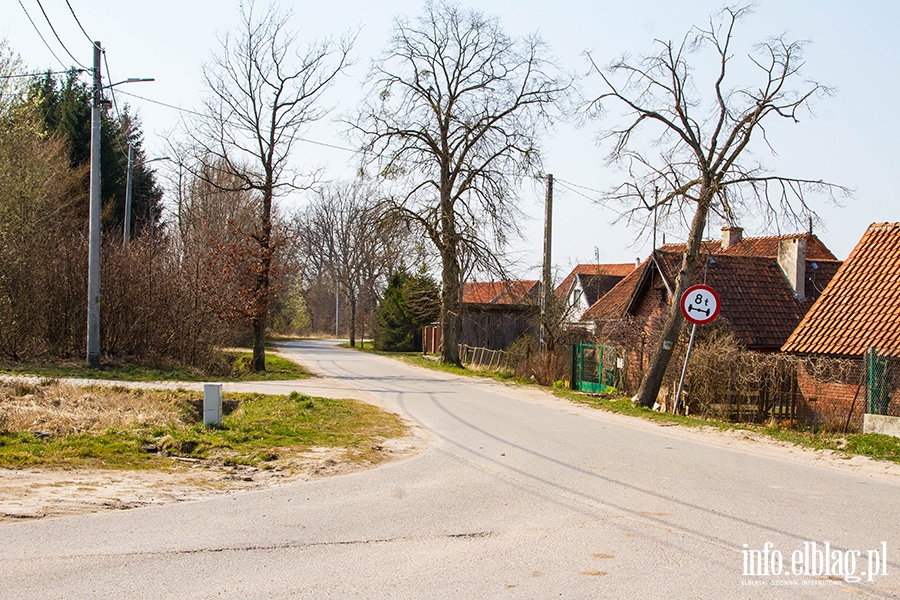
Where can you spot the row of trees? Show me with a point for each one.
(449, 128)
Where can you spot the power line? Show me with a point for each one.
(308, 141)
(112, 92)
(172, 106)
(72, 10)
(584, 187)
(199, 114)
(40, 35)
(53, 29)
(43, 73)
(571, 187)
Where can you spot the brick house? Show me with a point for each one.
(766, 286)
(858, 310)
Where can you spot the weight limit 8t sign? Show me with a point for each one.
(700, 304)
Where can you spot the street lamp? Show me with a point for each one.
(131, 166)
(93, 308)
(337, 299)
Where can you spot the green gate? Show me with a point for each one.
(878, 390)
(594, 368)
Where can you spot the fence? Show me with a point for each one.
(741, 386)
(484, 358)
(823, 392)
(882, 383)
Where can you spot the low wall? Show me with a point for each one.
(881, 424)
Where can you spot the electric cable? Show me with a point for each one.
(72, 10)
(58, 39)
(40, 35)
(43, 73)
(199, 114)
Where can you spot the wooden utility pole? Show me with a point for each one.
(546, 282)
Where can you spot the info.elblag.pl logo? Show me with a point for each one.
(816, 560)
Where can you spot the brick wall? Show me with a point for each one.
(829, 400)
(835, 398)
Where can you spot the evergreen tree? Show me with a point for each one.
(63, 108)
(409, 302)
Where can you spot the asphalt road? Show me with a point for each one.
(517, 495)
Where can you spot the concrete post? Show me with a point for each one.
(212, 404)
(93, 307)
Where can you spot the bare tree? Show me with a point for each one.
(454, 112)
(704, 162)
(345, 234)
(264, 90)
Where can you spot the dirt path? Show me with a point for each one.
(42, 493)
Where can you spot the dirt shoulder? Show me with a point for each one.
(43, 493)
(37, 493)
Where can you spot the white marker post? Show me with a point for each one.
(212, 404)
(699, 305)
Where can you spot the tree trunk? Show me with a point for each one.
(259, 346)
(352, 320)
(450, 306)
(653, 378)
(263, 280)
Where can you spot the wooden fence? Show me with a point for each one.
(484, 358)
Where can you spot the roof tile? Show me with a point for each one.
(860, 307)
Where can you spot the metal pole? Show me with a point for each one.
(545, 279)
(684, 369)
(337, 299)
(128, 193)
(93, 309)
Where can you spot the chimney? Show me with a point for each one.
(792, 260)
(731, 236)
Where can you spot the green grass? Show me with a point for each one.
(257, 430)
(231, 366)
(367, 345)
(877, 446)
(880, 447)
(414, 358)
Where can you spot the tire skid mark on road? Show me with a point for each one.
(464, 536)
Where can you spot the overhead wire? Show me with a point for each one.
(199, 114)
(58, 39)
(72, 10)
(40, 35)
(42, 73)
(571, 187)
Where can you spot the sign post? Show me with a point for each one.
(699, 305)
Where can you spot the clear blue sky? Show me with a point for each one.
(851, 139)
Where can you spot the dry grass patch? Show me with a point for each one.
(62, 409)
(61, 425)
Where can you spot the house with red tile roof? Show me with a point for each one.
(766, 285)
(496, 313)
(859, 309)
(519, 291)
(586, 284)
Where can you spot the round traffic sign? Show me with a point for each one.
(700, 304)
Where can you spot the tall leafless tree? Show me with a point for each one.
(455, 109)
(264, 89)
(688, 148)
(346, 234)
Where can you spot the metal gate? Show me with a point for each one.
(594, 368)
(879, 382)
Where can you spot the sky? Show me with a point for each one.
(849, 139)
